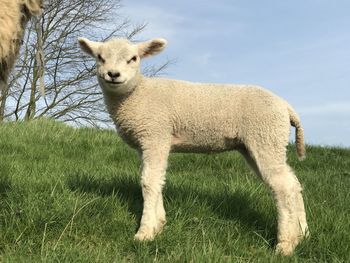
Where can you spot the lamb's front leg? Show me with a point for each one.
(154, 164)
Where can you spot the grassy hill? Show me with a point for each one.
(73, 195)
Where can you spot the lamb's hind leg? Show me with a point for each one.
(286, 189)
(152, 181)
(160, 214)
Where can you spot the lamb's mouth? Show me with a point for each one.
(114, 82)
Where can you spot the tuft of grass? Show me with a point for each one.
(73, 195)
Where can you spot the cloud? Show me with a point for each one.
(203, 59)
(185, 23)
(160, 22)
(338, 108)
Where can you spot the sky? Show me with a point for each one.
(300, 50)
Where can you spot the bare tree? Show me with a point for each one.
(72, 93)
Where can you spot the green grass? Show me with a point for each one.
(73, 195)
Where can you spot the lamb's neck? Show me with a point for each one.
(115, 100)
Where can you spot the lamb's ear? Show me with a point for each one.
(152, 47)
(89, 47)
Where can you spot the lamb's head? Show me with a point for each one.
(118, 61)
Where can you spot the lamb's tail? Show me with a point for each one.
(299, 132)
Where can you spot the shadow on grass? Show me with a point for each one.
(5, 180)
(126, 189)
(236, 206)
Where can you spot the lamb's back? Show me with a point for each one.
(209, 115)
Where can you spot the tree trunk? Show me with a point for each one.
(32, 102)
(4, 93)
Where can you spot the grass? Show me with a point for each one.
(73, 195)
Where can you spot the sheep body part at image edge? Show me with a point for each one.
(14, 16)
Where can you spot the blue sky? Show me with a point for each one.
(300, 50)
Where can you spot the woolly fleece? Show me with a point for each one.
(157, 116)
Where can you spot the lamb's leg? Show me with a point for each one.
(287, 193)
(290, 207)
(286, 189)
(152, 181)
(160, 213)
(303, 227)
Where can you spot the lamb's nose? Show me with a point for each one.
(113, 74)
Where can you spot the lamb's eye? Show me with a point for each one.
(100, 58)
(133, 59)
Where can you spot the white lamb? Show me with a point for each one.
(157, 116)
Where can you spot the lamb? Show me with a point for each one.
(157, 116)
(14, 15)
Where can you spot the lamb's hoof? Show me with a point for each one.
(160, 226)
(144, 234)
(305, 234)
(285, 248)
